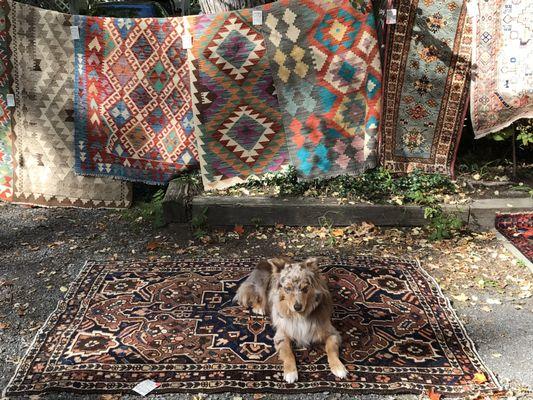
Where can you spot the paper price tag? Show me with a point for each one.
(257, 17)
(186, 41)
(391, 16)
(10, 100)
(145, 387)
(74, 32)
(471, 8)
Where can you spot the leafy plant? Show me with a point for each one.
(150, 210)
(199, 224)
(522, 129)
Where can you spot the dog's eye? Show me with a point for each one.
(305, 289)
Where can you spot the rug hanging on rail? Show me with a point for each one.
(6, 148)
(238, 120)
(326, 66)
(517, 228)
(425, 85)
(502, 82)
(174, 322)
(43, 119)
(134, 116)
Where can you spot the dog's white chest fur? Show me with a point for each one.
(301, 330)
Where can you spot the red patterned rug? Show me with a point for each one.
(517, 229)
(174, 322)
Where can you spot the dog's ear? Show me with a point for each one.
(277, 264)
(312, 264)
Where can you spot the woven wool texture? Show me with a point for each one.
(425, 85)
(134, 117)
(501, 89)
(175, 322)
(43, 73)
(238, 120)
(6, 148)
(326, 67)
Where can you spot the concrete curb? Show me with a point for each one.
(267, 211)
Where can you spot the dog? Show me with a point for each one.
(296, 297)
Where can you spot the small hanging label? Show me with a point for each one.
(10, 99)
(257, 17)
(74, 32)
(471, 8)
(186, 41)
(391, 16)
(145, 387)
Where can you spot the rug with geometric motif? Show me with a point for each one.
(425, 86)
(6, 147)
(174, 322)
(238, 119)
(133, 103)
(501, 88)
(517, 228)
(42, 56)
(326, 66)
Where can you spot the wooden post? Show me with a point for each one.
(513, 143)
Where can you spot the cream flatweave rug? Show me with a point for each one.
(42, 55)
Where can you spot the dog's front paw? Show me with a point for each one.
(258, 310)
(290, 376)
(339, 370)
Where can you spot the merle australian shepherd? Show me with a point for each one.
(300, 307)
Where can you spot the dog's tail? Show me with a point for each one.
(253, 291)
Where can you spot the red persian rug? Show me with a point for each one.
(174, 322)
(518, 229)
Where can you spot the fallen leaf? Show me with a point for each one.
(480, 377)
(3, 325)
(462, 297)
(63, 289)
(337, 232)
(493, 301)
(239, 229)
(151, 246)
(434, 395)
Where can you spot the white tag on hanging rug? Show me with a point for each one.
(257, 17)
(10, 100)
(74, 32)
(145, 387)
(391, 16)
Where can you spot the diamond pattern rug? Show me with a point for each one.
(134, 117)
(238, 120)
(326, 66)
(425, 85)
(518, 229)
(6, 148)
(174, 322)
(501, 91)
(43, 73)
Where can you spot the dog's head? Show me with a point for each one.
(299, 286)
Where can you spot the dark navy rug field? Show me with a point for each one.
(174, 322)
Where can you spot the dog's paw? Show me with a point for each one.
(339, 370)
(290, 376)
(258, 310)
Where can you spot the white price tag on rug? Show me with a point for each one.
(10, 100)
(146, 387)
(74, 32)
(257, 17)
(186, 42)
(391, 16)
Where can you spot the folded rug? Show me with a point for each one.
(175, 322)
(501, 89)
(326, 66)
(518, 229)
(133, 101)
(42, 56)
(238, 120)
(425, 85)
(6, 148)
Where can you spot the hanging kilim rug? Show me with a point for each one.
(6, 148)
(425, 85)
(518, 229)
(326, 66)
(502, 81)
(174, 322)
(134, 116)
(43, 73)
(238, 121)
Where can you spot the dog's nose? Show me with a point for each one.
(297, 307)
